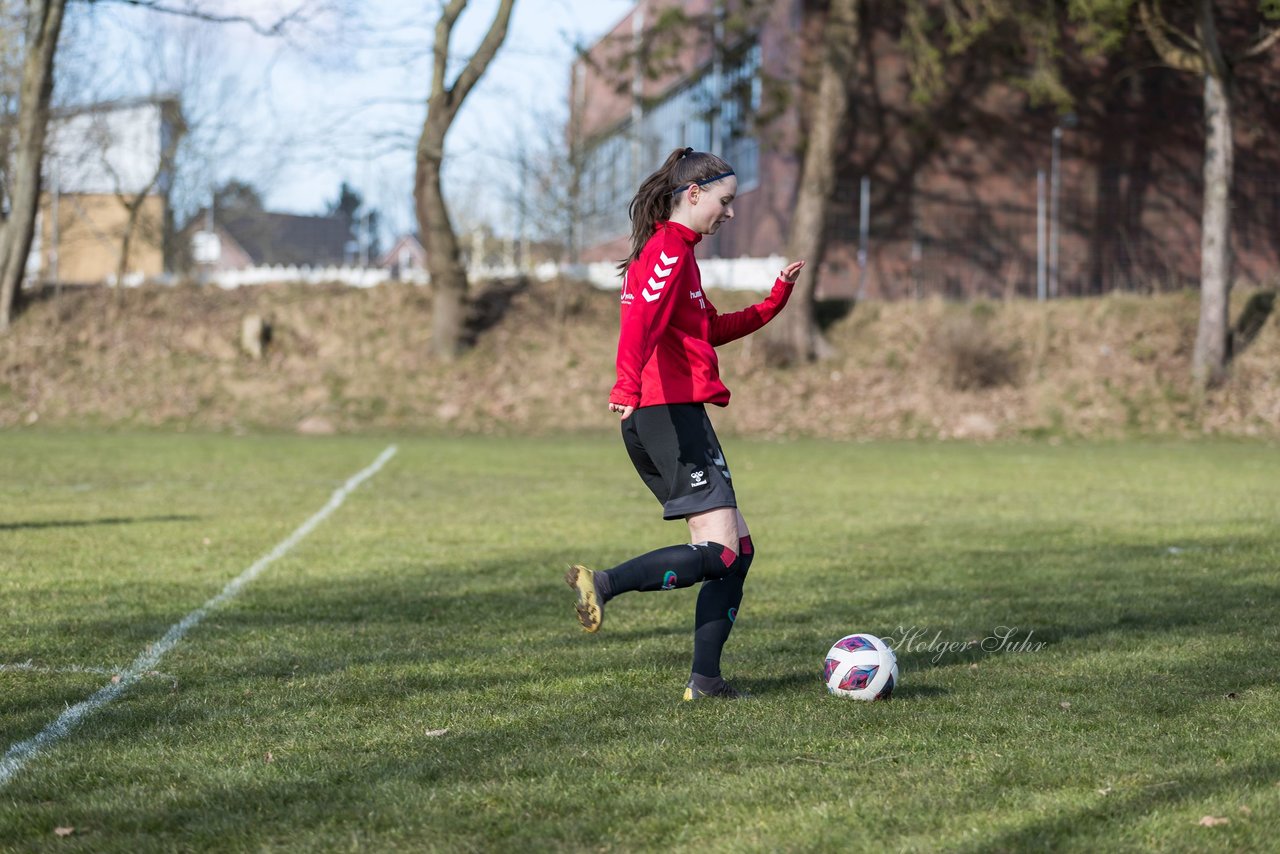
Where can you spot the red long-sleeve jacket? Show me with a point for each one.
(669, 329)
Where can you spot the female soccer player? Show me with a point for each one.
(667, 372)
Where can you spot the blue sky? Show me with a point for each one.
(344, 99)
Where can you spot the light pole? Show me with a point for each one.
(55, 228)
(864, 234)
(1040, 237)
(1055, 186)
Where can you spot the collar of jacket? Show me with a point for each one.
(688, 235)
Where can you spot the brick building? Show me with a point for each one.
(980, 192)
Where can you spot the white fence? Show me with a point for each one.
(730, 274)
(755, 274)
(358, 277)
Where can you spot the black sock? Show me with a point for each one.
(718, 602)
(670, 568)
(604, 591)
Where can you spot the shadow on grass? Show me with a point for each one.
(274, 805)
(1060, 596)
(469, 618)
(810, 680)
(1126, 808)
(1069, 594)
(90, 523)
(405, 619)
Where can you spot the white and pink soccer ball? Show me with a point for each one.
(861, 667)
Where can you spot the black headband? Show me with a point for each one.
(678, 190)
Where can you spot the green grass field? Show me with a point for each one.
(411, 676)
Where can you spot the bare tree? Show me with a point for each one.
(40, 44)
(935, 33)
(547, 180)
(12, 25)
(133, 202)
(837, 60)
(184, 71)
(547, 187)
(1190, 42)
(1202, 54)
(448, 276)
(43, 26)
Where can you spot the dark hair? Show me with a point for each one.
(657, 194)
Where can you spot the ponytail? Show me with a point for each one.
(656, 197)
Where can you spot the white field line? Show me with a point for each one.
(19, 754)
(29, 666)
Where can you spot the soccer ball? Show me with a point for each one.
(861, 667)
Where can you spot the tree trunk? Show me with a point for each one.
(44, 23)
(126, 244)
(824, 144)
(1209, 361)
(448, 277)
(444, 260)
(135, 204)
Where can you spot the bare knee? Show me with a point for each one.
(717, 526)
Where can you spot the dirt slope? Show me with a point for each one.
(344, 359)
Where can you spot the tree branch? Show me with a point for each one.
(194, 12)
(440, 50)
(1158, 33)
(1261, 46)
(484, 54)
(1190, 43)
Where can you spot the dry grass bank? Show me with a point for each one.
(345, 359)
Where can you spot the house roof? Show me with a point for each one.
(273, 238)
(392, 255)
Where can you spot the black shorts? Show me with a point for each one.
(677, 455)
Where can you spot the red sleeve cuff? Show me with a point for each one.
(781, 292)
(632, 400)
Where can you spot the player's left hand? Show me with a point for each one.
(791, 272)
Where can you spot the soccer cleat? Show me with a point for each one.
(723, 690)
(590, 609)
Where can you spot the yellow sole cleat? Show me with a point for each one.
(590, 611)
(724, 691)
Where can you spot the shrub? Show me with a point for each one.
(969, 358)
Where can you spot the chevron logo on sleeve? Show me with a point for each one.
(658, 280)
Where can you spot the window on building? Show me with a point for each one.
(739, 105)
(681, 119)
(606, 187)
(704, 113)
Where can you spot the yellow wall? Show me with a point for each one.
(91, 229)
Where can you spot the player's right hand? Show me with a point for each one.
(791, 272)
